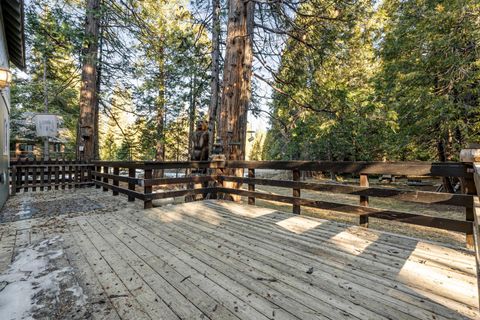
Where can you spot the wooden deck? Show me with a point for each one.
(221, 260)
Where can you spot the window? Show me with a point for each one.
(26, 147)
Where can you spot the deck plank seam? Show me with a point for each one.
(100, 281)
(138, 257)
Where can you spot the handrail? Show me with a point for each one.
(413, 168)
(425, 197)
(32, 174)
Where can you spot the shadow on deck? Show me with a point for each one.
(222, 260)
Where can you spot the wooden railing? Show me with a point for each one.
(137, 181)
(47, 174)
(140, 180)
(363, 170)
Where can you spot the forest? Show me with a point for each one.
(275, 80)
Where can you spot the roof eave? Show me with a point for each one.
(13, 17)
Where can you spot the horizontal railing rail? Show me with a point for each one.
(415, 196)
(413, 168)
(231, 184)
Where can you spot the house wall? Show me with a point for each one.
(4, 138)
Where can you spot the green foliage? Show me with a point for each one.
(362, 80)
(324, 103)
(109, 149)
(256, 152)
(431, 76)
(395, 82)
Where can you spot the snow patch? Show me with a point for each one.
(77, 292)
(31, 275)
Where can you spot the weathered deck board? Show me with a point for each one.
(230, 278)
(381, 272)
(221, 260)
(153, 267)
(201, 276)
(124, 302)
(101, 305)
(265, 265)
(266, 249)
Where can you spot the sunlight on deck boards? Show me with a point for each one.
(224, 260)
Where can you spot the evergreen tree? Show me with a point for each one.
(431, 76)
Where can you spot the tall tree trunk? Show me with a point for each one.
(88, 92)
(192, 113)
(46, 154)
(215, 70)
(237, 79)
(97, 100)
(237, 75)
(160, 116)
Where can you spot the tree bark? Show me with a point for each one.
(237, 79)
(96, 143)
(88, 90)
(160, 116)
(192, 115)
(46, 154)
(215, 70)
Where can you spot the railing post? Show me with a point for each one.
(470, 155)
(296, 192)
(49, 174)
(19, 179)
(105, 179)
(25, 175)
(116, 172)
(34, 178)
(98, 169)
(57, 174)
(131, 186)
(64, 172)
(147, 190)
(217, 159)
(74, 174)
(42, 175)
(14, 180)
(251, 186)
(363, 219)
